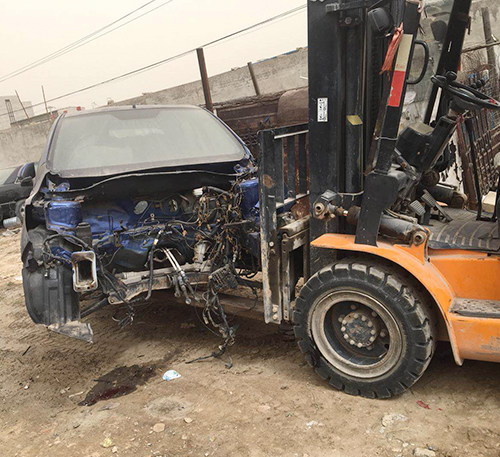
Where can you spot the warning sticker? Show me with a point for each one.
(322, 109)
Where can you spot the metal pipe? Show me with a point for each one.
(390, 226)
(254, 78)
(204, 79)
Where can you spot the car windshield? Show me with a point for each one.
(8, 175)
(110, 142)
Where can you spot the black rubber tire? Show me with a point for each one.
(19, 209)
(400, 296)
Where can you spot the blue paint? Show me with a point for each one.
(63, 215)
(250, 198)
(116, 227)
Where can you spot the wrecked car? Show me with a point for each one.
(15, 186)
(132, 200)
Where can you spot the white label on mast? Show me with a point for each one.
(322, 109)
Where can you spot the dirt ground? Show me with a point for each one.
(270, 403)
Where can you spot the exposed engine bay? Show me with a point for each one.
(195, 242)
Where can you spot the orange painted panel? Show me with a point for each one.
(477, 339)
(470, 275)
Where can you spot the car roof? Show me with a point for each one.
(114, 109)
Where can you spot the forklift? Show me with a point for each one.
(391, 259)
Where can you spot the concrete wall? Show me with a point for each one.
(288, 71)
(22, 145)
(18, 114)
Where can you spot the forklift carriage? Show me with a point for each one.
(391, 259)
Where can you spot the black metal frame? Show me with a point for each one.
(283, 182)
(381, 186)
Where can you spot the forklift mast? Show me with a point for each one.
(360, 55)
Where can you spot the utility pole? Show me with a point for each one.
(254, 78)
(45, 101)
(22, 105)
(492, 64)
(204, 79)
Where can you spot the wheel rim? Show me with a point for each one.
(356, 333)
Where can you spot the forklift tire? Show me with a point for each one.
(365, 328)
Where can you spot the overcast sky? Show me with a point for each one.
(31, 29)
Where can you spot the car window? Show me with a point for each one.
(8, 175)
(140, 139)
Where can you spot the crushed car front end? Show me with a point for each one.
(133, 200)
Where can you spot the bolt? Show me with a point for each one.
(275, 308)
(360, 345)
(370, 324)
(383, 334)
(372, 332)
(363, 318)
(370, 348)
(356, 316)
(346, 336)
(341, 318)
(353, 307)
(374, 314)
(372, 339)
(271, 244)
(343, 329)
(275, 317)
(352, 342)
(344, 322)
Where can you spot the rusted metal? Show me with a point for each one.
(204, 79)
(281, 188)
(247, 116)
(254, 78)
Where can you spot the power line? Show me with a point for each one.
(85, 40)
(178, 56)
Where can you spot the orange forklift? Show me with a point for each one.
(392, 258)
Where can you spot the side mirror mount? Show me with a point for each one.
(27, 171)
(27, 182)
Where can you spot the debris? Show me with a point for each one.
(188, 420)
(419, 452)
(423, 405)
(26, 351)
(158, 428)
(184, 437)
(76, 395)
(107, 443)
(26, 387)
(263, 408)
(314, 423)
(170, 375)
(114, 450)
(390, 419)
(18, 278)
(8, 233)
